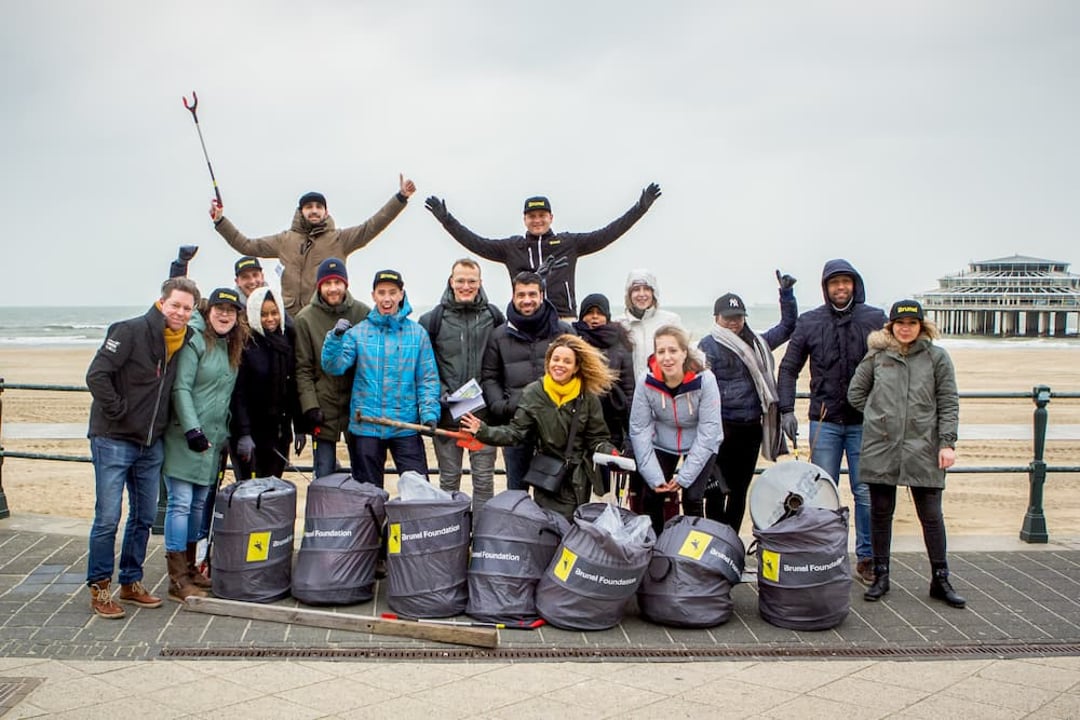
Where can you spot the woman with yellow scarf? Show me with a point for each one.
(576, 374)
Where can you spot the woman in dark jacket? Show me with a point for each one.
(906, 389)
(742, 362)
(594, 326)
(265, 403)
(576, 375)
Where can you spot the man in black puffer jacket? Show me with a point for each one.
(514, 358)
(833, 337)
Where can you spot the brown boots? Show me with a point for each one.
(197, 578)
(101, 601)
(180, 584)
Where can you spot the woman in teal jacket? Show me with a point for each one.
(197, 436)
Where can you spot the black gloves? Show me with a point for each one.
(196, 441)
(432, 425)
(299, 443)
(648, 196)
(314, 418)
(785, 281)
(552, 263)
(790, 426)
(341, 326)
(245, 447)
(187, 252)
(437, 208)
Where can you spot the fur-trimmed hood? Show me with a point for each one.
(884, 340)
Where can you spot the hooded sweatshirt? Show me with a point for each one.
(643, 328)
(834, 340)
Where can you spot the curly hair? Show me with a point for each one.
(592, 367)
(695, 361)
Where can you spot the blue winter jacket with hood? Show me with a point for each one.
(835, 342)
(396, 376)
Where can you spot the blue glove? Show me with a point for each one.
(341, 327)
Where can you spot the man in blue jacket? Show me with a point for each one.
(396, 378)
(833, 337)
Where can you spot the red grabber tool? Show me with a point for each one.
(464, 439)
(192, 108)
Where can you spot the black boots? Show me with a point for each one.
(942, 589)
(880, 586)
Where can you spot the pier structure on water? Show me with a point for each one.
(1009, 296)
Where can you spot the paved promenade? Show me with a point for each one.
(1013, 653)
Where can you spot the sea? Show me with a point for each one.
(86, 325)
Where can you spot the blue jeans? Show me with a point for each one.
(516, 458)
(185, 513)
(324, 456)
(828, 443)
(119, 464)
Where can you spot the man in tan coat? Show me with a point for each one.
(312, 238)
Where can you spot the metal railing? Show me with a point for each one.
(1033, 529)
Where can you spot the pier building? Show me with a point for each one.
(1009, 296)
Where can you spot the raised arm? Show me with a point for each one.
(789, 313)
(591, 242)
(355, 237)
(486, 248)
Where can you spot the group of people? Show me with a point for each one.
(250, 373)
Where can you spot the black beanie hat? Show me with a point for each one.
(311, 197)
(598, 301)
(331, 268)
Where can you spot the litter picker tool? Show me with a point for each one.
(193, 108)
(291, 466)
(620, 468)
(485, 637)
(464, 439)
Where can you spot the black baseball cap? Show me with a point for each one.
(225, 296)
(311, 197)
(246, 263)
(538, 202)
(391, 276)
(729, 305)
(906, 309)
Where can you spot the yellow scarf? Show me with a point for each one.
(174, 339)
(562, 394)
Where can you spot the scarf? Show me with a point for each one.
(759, 362)
(603, 337)
(174, 339)
(562, 394)
(542, 324)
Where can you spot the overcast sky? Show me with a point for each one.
(909, 137)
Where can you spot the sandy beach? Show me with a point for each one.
(989, 504)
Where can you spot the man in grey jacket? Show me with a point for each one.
(459, 327)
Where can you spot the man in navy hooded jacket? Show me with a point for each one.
(833, 337)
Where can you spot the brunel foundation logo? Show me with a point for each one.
(258, 549)
(565, 565)
(770, 565)
(695, 545)
(393, 539)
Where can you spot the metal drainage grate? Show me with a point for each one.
(630, 653)
(14, 689)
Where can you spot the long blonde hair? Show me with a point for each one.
(592, 367)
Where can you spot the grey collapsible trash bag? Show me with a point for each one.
(695, 563)
(804, 575)
(513, 542)
(427, 546)
(591, 577)
(253, 540)
(342, 531)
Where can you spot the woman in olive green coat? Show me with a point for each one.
(575, 377)
(198, 433)
(906, 390)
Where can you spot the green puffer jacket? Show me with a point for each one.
(537, 417)
(200, 399)
(303, 246)
(317, 389)
(910, 411)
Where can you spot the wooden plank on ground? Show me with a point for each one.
(476, 637)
